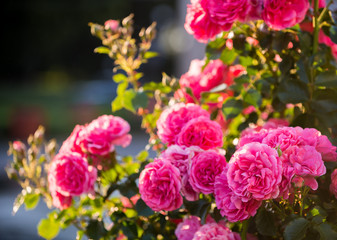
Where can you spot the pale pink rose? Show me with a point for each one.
(186, 229)
(254, 172)
(101, 135)
(198, 23)
(230, 205)
(249, 136)
(226, 12)
(180, 156)
(71, 144)
(111, 24)
(305, 161)
(333, 185)
(284, 137)
(281, 14)
(160, 185)
(187, 191)
(70, 175)
(174, 118)
(214, 231)
(201, 132)
(206, 166)
(60, 201)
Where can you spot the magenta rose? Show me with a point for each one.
(214, 231)
(199, 24)
(201, 132)
(281, 14)
(206, 166)
(187, 190)
(226, 12)
(230, 205)
(253, 136)
(186, 229)
(160, 185)
(173, 119)
(101, 135)
(70, 175)
(255, 172)
(333, 185)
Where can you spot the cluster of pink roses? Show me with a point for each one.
(73, 171)
(266, 164)
(207, 18)
(190, 163)
(190, 229)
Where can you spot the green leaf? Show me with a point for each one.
(265, 222)
(253, 97)
(150, 54)
(198, 208)
(48, 228)
(116, 104)
(327, 79)
(102, 50)
(109, 177)
(129, 229)
(129, 95)
(333, 33)
(293, 91)
(232, 107)
(143, 209)
(296, 229)
(31, 200)
(326, 231)
(228, 56)
(140, 100)
(95, 229)
(142, 156)
(120, 77)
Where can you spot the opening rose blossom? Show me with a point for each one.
(160, 185)
(187, 228)
(215, 231)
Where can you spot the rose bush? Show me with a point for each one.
(244, 141)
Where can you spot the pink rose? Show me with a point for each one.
(231, 205)
(305, 160)
(201, 132)
(254, 172)
(19, 147)
(198, 22)
(160, 185)
(70, 175)
(187, 191)
(111, 24)
(186, 229)
(251, 136)
(255, 10)
(333, 185)
(284, 137)
(226, 12)
(101, 135)
(173, 119)
(214, 231)
(281, 14)
(206, 166)
(60, 201)
(71, 144)
(285, 186)
(180, 156)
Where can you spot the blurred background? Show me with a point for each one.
(51, 76)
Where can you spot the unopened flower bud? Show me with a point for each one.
(111, 25)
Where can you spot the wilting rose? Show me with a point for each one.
(70, 175)
(174, 118)
(254, 172)
(201, 132)
(160, 185)
(186, 229)
(206, 166)
(281, 14)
